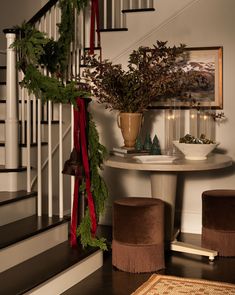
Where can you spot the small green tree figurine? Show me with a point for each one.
(155, 148)
(138, 144)
(147, 142)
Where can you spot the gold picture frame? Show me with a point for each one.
(209, 62)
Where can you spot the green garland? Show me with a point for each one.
(38, 51)
(96, 153)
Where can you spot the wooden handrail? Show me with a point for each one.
(42, 11)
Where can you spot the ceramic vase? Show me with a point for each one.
(130, 124)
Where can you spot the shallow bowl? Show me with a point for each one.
(193, 151)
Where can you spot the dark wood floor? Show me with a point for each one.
(110, 281)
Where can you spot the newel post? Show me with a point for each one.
(11, 119)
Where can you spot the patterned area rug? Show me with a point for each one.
(169, 285)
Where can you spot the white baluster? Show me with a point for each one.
(49, 160)
(11, 120)
(39, 164)
(72, 144)
(61, 189)
(28, 144)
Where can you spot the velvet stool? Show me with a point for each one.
(138, 234)
(218, 221)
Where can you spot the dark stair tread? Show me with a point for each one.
(95, 48)
(137, 10)
(3, 67)
(33, 272)
(11, 197)
(42, 121)
(114, 30)
(27, 227)
(3, 169)
(32, 144)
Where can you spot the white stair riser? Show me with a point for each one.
(3, 91)
(2, 132)
(2, 155)
(13, 181)
(24, 155)
(15, 211)
(26, 249)
(2, 111)
(70, 277)
(23, 139)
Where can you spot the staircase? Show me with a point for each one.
(35, 198)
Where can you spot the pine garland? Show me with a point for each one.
(96, 154)
(85, 234)
(37, 51)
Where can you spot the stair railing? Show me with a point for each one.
(31, 113)
(111, 12)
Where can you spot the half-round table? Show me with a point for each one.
(163, 186)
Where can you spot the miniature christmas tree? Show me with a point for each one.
(155, 148)
(147, 142)
(138, 144)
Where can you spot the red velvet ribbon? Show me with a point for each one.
(94, 18)
(80, 145)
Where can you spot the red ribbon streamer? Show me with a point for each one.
(80, 145)
(94, 17)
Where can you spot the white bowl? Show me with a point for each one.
(194, 151)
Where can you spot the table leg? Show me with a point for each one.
(163, 186)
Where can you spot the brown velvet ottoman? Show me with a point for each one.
(138, 234)
(218, 221)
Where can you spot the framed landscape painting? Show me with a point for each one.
(206, 63)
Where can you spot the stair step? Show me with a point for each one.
(32, 144)
(51, 272)
(25, 238)
(137, 10)
(3, 169)
(16, 205)
(22, 229)
(42, 122)
(11, 180)
(11, 197)
(113, 29)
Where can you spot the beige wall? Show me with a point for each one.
(14, 12)
(198, 23)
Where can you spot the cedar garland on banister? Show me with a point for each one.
(36, 51)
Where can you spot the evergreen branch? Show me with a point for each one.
(97, 154)
(84, 231)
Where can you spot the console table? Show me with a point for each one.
(163, 186)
